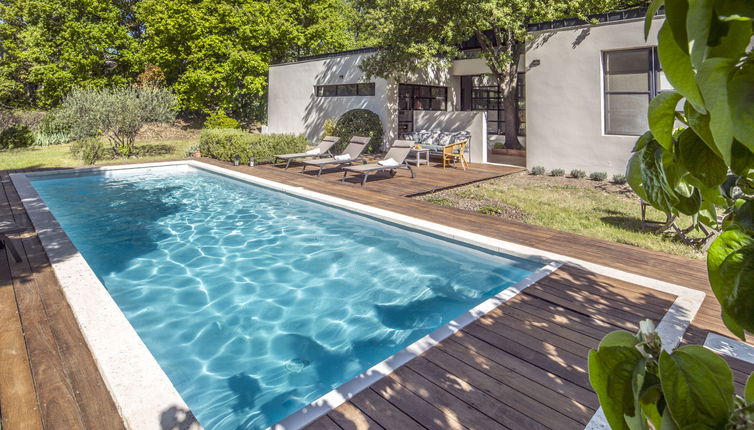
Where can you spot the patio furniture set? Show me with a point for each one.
(397, 157)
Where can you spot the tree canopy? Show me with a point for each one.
(49, 46)
(212, 53)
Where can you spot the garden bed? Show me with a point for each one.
(598, 209)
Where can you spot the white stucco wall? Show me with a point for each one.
(293, 106)
(564, 97)
(473, 122)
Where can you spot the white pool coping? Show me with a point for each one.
(144, 395)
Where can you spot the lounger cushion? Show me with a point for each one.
(368, 168)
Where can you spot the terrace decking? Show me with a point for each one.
(521, 366)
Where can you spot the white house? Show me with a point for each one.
(583, 96)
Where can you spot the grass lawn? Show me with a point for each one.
(60, 155)
(595, 209)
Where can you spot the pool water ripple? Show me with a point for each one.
(256, 303)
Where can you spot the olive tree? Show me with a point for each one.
(118, 114)
(702, 168)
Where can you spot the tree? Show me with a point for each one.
(417, 34)
(49, 46)
(118, 114)
(216, 54)
(701, 168)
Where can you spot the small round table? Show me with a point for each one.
(418, 153)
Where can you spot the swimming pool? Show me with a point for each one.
(255, 302)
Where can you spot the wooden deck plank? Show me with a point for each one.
(18, 398)
(349, 417)
(96, 406)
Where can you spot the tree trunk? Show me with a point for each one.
(509, 93)
(510, 116)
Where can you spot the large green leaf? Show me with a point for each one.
(749, 389)
(662, 117)
(612, 368)
(700, 124)
(676, 175)
(733, 42)
(657, 188)
(642, 141)
(698, 387)
(689, 205)
(743, 160)
(744, 215)
(713, 82)
(651, 11)
(675, 15)
(741, 100)
(708, 214)
(633, 175)
(730, 268)
(677, 67)
(698, 20)
(699, 160)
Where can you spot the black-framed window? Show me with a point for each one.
(345, 90)
(418, 97)
(481, 93)
(631, 79)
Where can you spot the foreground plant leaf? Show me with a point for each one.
(677, 67)
(612, 368)
(741, 101)
(698, 387)
(662, 117)
(699, 160)
(730, 266)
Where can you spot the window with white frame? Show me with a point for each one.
(632, 77)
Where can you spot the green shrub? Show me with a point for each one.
(578, 174)
(328, 128)
(537, 170)
(49, 139)
(224, 144)
(16, 136)
(557, 172)
(218, 119)
(89, 150)
(598, 176)
(359, 122)
(118, 113)
(619, 179)
(499, 145)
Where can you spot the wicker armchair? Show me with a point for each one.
(455, 152)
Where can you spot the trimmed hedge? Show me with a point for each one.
(359, 122)
(225, 143)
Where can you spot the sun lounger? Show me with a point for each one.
(352, 153)
(320, 151)
(393, 160)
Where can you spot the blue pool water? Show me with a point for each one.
(256, 303)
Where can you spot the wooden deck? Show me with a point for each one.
(521, 366)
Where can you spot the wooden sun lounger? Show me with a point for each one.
(398, 152)
(354, 149)
(324, 149)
